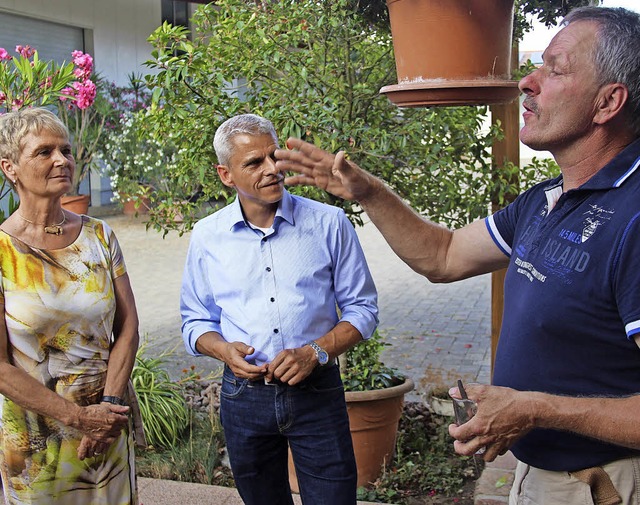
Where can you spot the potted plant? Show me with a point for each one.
(84, 109)
(135, 162)
(375, 397)
(27, 81)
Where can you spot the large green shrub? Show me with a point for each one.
(315, 69)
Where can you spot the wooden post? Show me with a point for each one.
(504, 151)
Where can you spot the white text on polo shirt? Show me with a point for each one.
(529, 270)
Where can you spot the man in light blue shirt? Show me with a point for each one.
(276, 286)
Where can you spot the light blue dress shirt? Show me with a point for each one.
(277, 290)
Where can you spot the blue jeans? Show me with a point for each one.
(260, 421)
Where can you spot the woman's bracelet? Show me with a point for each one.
(116, 400)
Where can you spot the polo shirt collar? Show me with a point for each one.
(618, 170)
(284, 212)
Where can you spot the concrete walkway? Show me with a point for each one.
(438, 333)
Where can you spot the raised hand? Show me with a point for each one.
(315, 167)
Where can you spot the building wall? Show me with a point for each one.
(116, 31)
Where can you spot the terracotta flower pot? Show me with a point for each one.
(373, 420)
(135, 207)
(76, 203)
(451, 52)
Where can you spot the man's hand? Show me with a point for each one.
(315, 167)
(504, 415)
(234, 354)
(292, 365)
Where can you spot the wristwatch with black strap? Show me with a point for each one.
(321, 355)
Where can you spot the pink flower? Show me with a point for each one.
(86, 93)
(47, 82)
(4, 55)
(67, 93)
(25, 51)
(3, 97)
(84, 64)
(17, 103)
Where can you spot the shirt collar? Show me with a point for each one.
(618, 170)
(284, 212)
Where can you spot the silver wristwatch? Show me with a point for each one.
(321, 354)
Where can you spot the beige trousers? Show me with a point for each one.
(533, 486)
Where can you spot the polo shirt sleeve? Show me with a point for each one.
(199, 312)
(626, 278)
(502, 226)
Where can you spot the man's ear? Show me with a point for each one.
(610, 102)
(225, 176)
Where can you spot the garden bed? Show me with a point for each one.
(425, 470)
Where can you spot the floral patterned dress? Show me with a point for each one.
(59, 311)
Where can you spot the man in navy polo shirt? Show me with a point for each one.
(566, 387)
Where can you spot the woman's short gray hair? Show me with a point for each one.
(250, 124)
(16, 125)
(617, 51)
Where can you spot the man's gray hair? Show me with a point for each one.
(249, 124)
(617, 51)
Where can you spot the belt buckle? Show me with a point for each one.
(267, 383)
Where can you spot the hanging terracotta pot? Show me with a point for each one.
(451, 52)
(76, 203)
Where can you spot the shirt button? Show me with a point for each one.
(272, 299)
(276, 330)
(268, 269)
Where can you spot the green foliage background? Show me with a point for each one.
(315, 69)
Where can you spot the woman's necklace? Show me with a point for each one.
(52, 229)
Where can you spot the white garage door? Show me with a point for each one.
(52, 40)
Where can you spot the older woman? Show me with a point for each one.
(69, 334)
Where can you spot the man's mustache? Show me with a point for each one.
(531, 105)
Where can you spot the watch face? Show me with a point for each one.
(323, 357)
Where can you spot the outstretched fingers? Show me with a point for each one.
(302, 157)
(307, 149)
(315, 167)
(299, 180)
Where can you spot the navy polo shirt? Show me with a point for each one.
(572, 301)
